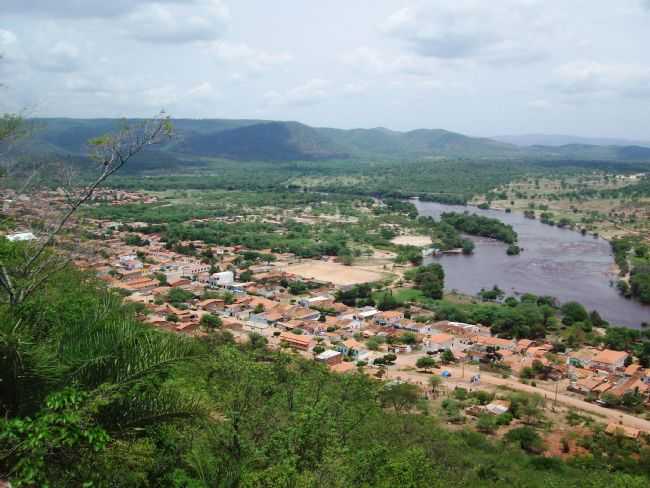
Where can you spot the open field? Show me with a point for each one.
(402, 295)
(412, 240)
(333, 272)
(569, 199)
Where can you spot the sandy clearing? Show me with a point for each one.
(412, 240)
(333, 272)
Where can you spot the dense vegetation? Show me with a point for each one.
(632, 256)
(479, 225)
(99, 400)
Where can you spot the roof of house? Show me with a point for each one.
(352, 344)
(632, 369)
(295, 338)
(590, 383)
(325, 355)
(492, 341)
(440, 338)
(210, 301)
(608, 356)
(273, 316)
(524, 343)
(391, 314)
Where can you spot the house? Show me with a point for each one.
(414, 326)
(495, 342)
(439, 342)
(193, 269)
(222, 279)
(400, 348)
(187, 327)
(633, 369)
(131, 262)
(524, 344)
(212, 305)
(389, 318)
(330, 357)
(316, 302)
(295, 341)
(179, 283)
(353, 349)
(144, 285)
(609, 360)
(586, 385)
(461, 328)
(367, 313)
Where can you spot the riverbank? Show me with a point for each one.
(556, 262)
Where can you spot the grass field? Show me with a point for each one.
(402, 295)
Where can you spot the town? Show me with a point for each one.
(290, 302)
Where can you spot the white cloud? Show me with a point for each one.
(503, 32)
(367, 58)
(203, 90)
(160, 96)
(9, 48)
(203, 20)
(62, 57)
(355, 87)
(309, 93)
(245, 57)
(540, 104)
(594, 78)
(77, 9)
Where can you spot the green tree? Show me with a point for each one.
(211, 322)
(400, 396)
(425, 363)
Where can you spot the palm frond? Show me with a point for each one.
(147, 408)
(121, 351)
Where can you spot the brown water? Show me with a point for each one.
(557, 262)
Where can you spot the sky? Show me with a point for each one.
(478, 67)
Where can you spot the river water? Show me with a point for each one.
(557, 262)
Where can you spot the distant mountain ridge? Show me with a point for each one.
(263, 140)
(564, 140)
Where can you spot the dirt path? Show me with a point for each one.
(603, 414)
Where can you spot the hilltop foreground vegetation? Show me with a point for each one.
(90, 397)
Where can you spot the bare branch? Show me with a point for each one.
(110, 152)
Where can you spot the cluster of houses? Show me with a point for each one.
(596, 373)
(312, 322)
(336, 334)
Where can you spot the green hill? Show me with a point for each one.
(258, 140)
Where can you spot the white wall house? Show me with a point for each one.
(221, 279)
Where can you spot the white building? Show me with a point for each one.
(194, 269)
(218, 280)
(131, 262)
(439, 341)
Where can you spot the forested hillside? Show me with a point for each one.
(255, 140)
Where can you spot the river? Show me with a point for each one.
(558, 262)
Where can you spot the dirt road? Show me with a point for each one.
(457, 379)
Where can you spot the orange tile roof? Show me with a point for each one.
(438, 338)
(295, 338)
(608, 356)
